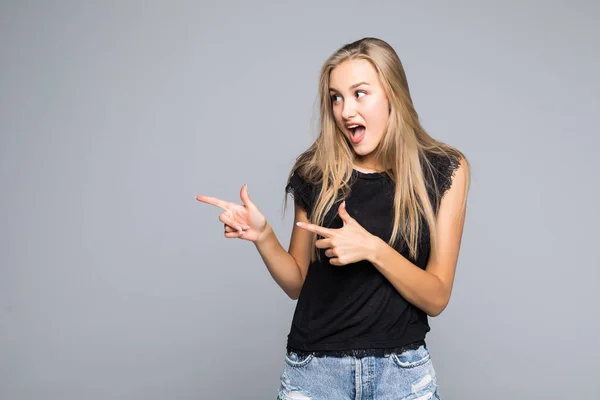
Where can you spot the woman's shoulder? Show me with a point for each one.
(301, 186)
(440, 168)
(305, 175)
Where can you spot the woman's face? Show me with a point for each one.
(360, 107)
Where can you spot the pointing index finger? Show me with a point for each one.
(325, 232)
(214, 201)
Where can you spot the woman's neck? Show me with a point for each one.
(366, 167)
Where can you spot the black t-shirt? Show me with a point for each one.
(354, 309)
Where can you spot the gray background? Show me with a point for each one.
(116, 284)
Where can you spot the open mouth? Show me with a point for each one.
(357, 132)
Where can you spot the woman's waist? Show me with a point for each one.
(359, 349)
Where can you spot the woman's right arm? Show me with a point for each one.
(288, 268)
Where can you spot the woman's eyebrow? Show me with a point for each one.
(331, 89)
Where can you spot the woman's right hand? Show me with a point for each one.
(240, 221)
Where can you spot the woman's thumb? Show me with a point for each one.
(343, 213)
(245, 196)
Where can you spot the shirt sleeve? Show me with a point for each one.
(447, 171)
(444, 168)
(302, 192)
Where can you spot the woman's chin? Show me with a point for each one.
(362, 148)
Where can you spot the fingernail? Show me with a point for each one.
(239, 228)
(299, 223)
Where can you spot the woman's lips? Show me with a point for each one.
(357, 135)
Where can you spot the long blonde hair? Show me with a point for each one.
(328, 162)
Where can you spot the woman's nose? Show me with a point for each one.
(349, 111)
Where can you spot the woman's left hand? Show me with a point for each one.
(346, 245)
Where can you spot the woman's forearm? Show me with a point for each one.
(419, 287)
(281, 265)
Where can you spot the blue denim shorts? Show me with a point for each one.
(408, 375)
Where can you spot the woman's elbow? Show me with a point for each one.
(293, 293)
(437, 308)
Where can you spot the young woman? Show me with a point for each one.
(379, 214)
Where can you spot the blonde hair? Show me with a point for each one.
(328, 162)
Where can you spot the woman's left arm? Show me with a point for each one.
(429, 289)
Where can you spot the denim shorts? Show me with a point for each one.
(407, 375)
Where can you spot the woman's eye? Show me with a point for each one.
(358, 93)
(334, 97)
